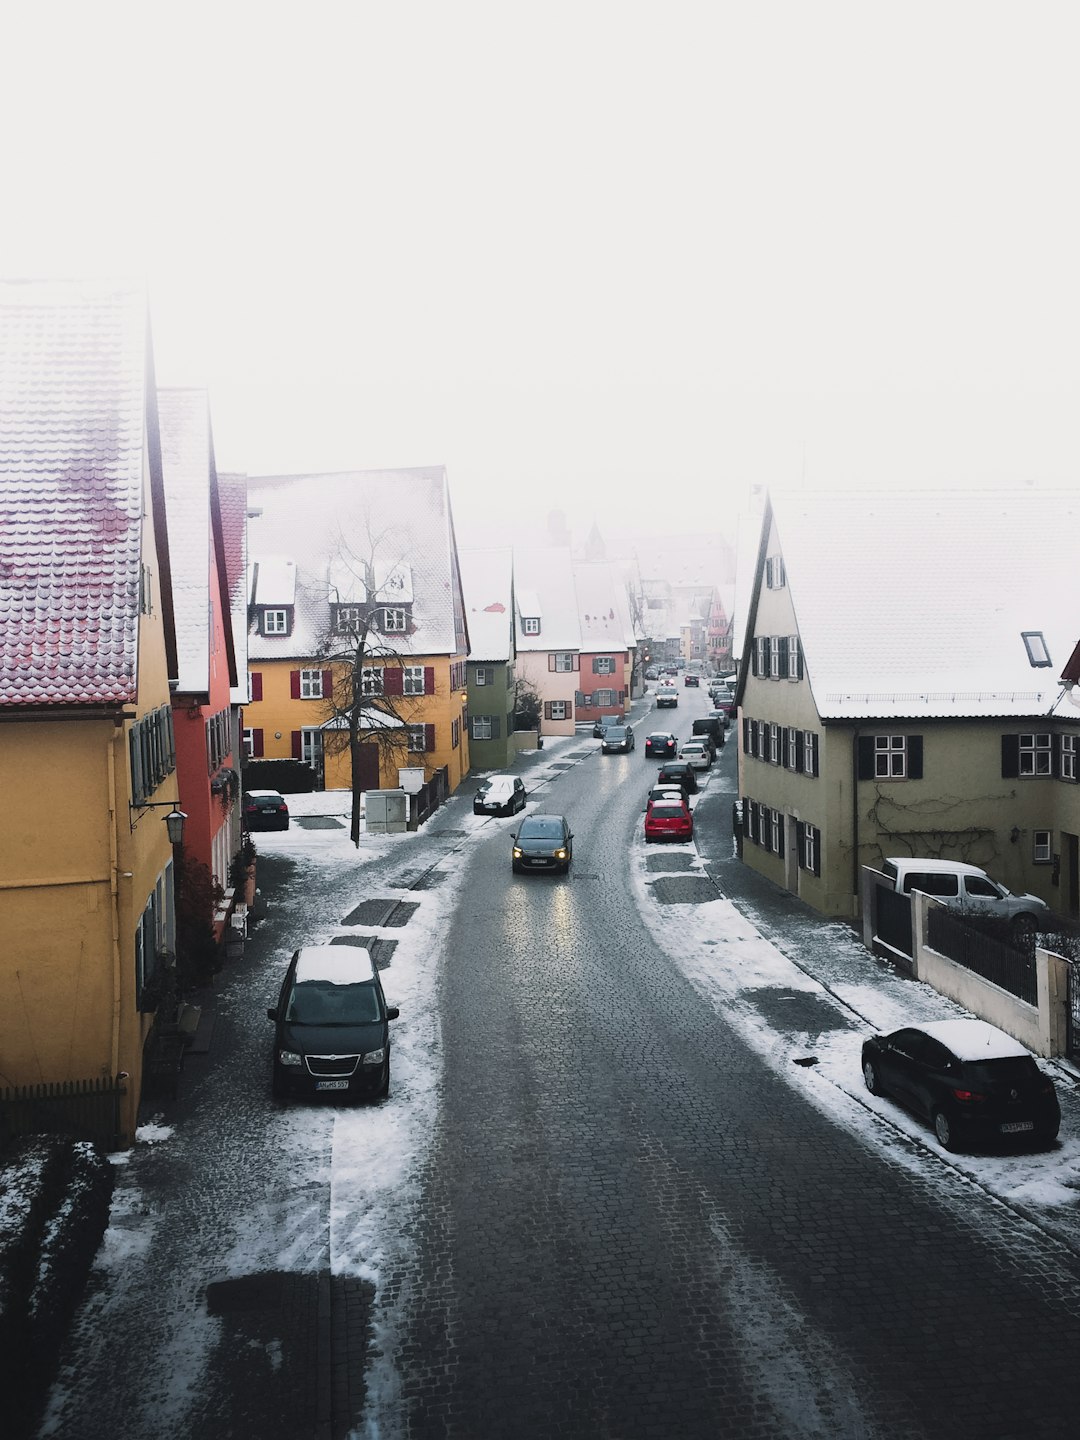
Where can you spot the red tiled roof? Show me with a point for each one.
(73, 376)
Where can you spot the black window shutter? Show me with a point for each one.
(595, 666)
(914, 757)
(798, 657)
(780, 836)
(800, 758)
(781, 642)
(800, 840)
(496, 727)
(1055, 762)
(766, 658)
(817, 768)
(866, 757)
(1010, 757)
(817, 857)
(747, 737)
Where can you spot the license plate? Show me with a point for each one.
(1012, 1127)
(536, 862)
(331, 1084)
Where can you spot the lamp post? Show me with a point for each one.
(174, 824)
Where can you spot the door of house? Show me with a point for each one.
(311, 752)
(1071, 846)
(369, 767)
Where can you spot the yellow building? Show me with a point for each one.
(356, 607)
(86, 654)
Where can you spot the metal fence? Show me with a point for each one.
(83, 1109)
(1008, 965)
(430, 796)
(893, 925)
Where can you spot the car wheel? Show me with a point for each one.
(384, 1085)
(1023, 928)
(871, 1077)
(943, 1129)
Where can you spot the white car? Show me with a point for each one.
(666, 695)
(697, 754)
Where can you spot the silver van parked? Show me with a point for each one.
(966, 888)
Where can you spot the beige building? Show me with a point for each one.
(901, 691)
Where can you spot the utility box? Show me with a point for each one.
(387, 812)
(411, 778)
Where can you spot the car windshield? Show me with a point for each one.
(615, 732)
(319, 1002)
(540, 829)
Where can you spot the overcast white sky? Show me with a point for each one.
(623, 259)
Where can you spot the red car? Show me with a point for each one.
(668, 820)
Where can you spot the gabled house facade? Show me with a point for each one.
(899, 691)
(487, 578)
(548, 634)
(87, 654)
(204, 716)
(607, 643)
(329, 553)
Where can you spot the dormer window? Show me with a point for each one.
(348, 618)
(530, 625)
(1037, 653)
(275, 622)
(394, 621)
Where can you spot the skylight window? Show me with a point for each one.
(1038, 654)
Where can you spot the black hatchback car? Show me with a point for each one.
(544, 842)
(662, 743)
(332, 1035)
(678, 772)
(264, 810)
(974, 1083)
(616, 739)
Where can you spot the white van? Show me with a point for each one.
(966, 888)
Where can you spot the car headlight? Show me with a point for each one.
(517, 852)
(289, 1057)
(373, 1057)
(560, 854)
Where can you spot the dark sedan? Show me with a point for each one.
(544, 842)
(617, 739)
(974, 1083)
(661, 743)
(264, 810)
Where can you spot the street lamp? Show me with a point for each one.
(174, 824)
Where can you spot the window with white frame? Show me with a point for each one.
(792, 760)
(557, 710)
(564, 661)
(1068, 757)
(810, 859)
(774, 744)
(604, 665)
(761, 655)
(793, 657)
(481, 727)
(417, 737)
(275, 622)
(776, 832)
(394, 621)
(412, 679)
(247, 741)
(1035, 755)
(530, 625)
(371, 680)
(774, 660)
(604, 697)
(455, 734)
(311, 684)
(890, 757)
(1042, 847)
(774, 572)
(484, 675)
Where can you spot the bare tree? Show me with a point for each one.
(374, 697)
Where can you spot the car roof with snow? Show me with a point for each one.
(973, 1039)
(334, 964)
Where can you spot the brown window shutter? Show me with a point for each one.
(294, 684)
(551, 661)
(392, 680)
(577, 662)
(569, 711)
(429, 738)
(297, 748)
(256, 743)
(429, 680)
(328, 683)
(256, 685)
(547, 709)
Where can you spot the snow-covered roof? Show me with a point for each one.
(184, 420)
(392, 527)
(917, 603)
(73, 411)
(544, 577)
(487, 581)
(973, 1039)
(232, 495)
(603, 612)
(273, 580)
